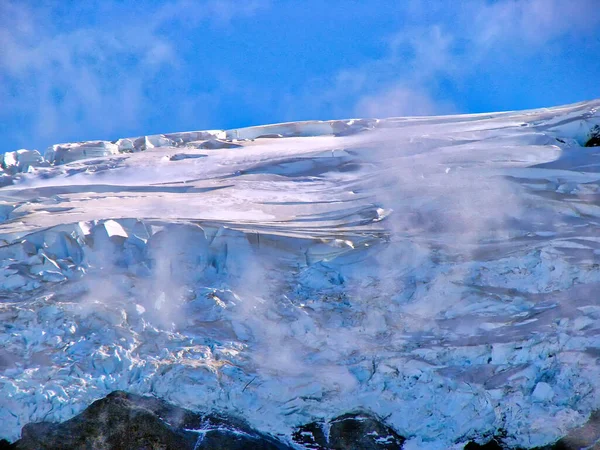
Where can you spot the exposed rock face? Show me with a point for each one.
(311, 436)
(127, 421)
(362, 431)
(233, 440)
(491, 445)
(594, 140)
(349, 432)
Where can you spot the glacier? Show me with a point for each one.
(439, 272)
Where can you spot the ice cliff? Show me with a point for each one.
(442, 273)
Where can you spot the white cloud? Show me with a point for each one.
(454, 43)
(92, 78)
(188, 13)
(399, 100)
(73, 78)
(429, 49)
(531, 22)
(399, 84)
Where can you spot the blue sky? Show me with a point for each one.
(72, 70)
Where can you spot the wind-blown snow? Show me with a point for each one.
(441, 272)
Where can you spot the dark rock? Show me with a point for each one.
(127, 421)
(119, 420)
(491, 445)
(594, 140)
(228, 433)
(311, 436)
(362, 432)
(227, 439)
(349, 432)
(5, 445)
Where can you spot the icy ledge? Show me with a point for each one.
(439, 273)
(21, 160)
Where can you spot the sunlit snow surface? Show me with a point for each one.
(442, 273)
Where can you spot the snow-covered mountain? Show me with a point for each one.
(442, 273)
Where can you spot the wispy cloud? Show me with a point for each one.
(67, 79)
(531, 22)
(455, 41)
(189, 13)
(92, 77)
(401, 100)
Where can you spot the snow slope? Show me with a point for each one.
(441, 272)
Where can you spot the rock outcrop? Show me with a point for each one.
(127, 421)
(594, 140)
(349, 432)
